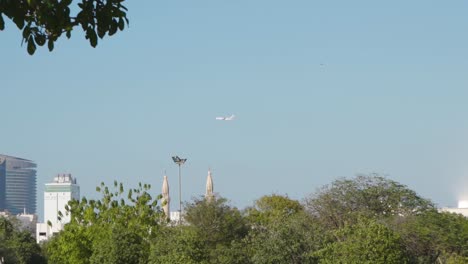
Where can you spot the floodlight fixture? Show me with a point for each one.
(178, 160)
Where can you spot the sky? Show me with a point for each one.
(320, 89)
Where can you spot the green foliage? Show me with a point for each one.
(212, 234)
(109, 230)
(271, 207)
(18, 246)
(235, 253)
(288, 239)
(44, 21)
(432, 235)
(73, 245)
(215, 221)
(371, 196)
(364, 242)
(117, 244)
(281, 231)
(185, 244)
(453, 259)
(365, 220)
(177, 245)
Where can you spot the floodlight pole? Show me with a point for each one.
(179, 162)
(180, 195)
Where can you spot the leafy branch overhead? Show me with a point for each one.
(45, 21)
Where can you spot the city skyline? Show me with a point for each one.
(320, 91)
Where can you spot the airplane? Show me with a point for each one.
(226, 118)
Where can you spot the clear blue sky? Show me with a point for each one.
(391, 97)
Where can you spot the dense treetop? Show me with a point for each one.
(17, 246)
(372, 196)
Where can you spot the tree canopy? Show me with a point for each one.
(45, 21)
(269, 208)
(366, 242)
(287, 239)
(367, 219)
(18, 246)
(110, 230)
(212, 233)
(373, 196)
(434, 236)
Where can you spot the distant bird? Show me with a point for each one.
(226, 118)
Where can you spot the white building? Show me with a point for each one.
(28, 222)
(461, 209)
(56, 195)
(174, 216)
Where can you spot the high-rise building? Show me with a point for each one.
(2, 183)
(57, 194)
(17, 185)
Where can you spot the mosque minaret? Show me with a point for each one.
(209, 187)
(165, 196)
(166, 199)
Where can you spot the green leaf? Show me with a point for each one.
(67, 11)
(19, 21)
(65, 2)
(91, 34)
(101, 32)
(113, 28)
(40, 40)
(121, 24)
(50, 44)
(26, 32)
(2, 22)
(31, 46)
(68, 34)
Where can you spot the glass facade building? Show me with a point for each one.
(2, 183)
(17, 185)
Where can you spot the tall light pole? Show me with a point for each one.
(179, 162)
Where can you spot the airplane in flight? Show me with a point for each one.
(226, 118)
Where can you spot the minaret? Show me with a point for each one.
(209, 187)
(165, 196)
